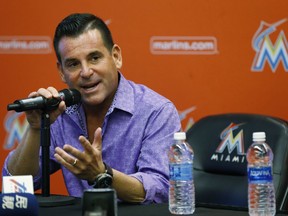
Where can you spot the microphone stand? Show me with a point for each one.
(46, 200)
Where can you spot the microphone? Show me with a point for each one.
(70, 96)
(20, 204)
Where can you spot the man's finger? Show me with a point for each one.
(97, 142)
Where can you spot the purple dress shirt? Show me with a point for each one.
(137, 133)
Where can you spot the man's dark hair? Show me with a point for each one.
(78, 23)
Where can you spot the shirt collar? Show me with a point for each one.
(124, 97)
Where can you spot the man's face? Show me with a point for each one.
(88, 66)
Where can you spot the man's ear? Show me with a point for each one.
(60, 71)
(117, 56)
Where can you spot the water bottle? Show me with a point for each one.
(181, 184)
(261, 194)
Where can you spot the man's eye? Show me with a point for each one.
(95, 58)
(71, 64)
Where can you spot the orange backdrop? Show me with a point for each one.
(207, 56)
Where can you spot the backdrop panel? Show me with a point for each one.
(208, 57)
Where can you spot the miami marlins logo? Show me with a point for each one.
(16, 126)
(184, 114)
(230, 143)
(266, 50)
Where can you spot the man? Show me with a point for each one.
(120, 130)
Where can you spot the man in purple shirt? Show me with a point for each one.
(117, 136)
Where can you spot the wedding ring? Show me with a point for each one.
(75, 162)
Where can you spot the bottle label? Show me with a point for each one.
(259, 174)
(182, 172)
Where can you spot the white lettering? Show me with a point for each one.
(25, 44)
(260, 173)
(222, 156)
(214, 157)
(8, 202)
(21, 202)
(227, 158)
(178, 45)
(183, 45)
(235, 159)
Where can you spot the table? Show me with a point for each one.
(141, 210)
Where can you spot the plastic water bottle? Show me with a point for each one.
(181, 189)
(261, 194)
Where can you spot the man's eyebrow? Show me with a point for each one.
(94, 53)
(69, 60)
(89, 55)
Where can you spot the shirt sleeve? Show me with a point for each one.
(153, 164)
(5, 171)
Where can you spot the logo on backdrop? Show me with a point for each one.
(15, 125)
(271, 47)
(232, 144)
(183, 45)
(184, 115)
(25, 45)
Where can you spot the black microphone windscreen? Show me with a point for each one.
(71, 96)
